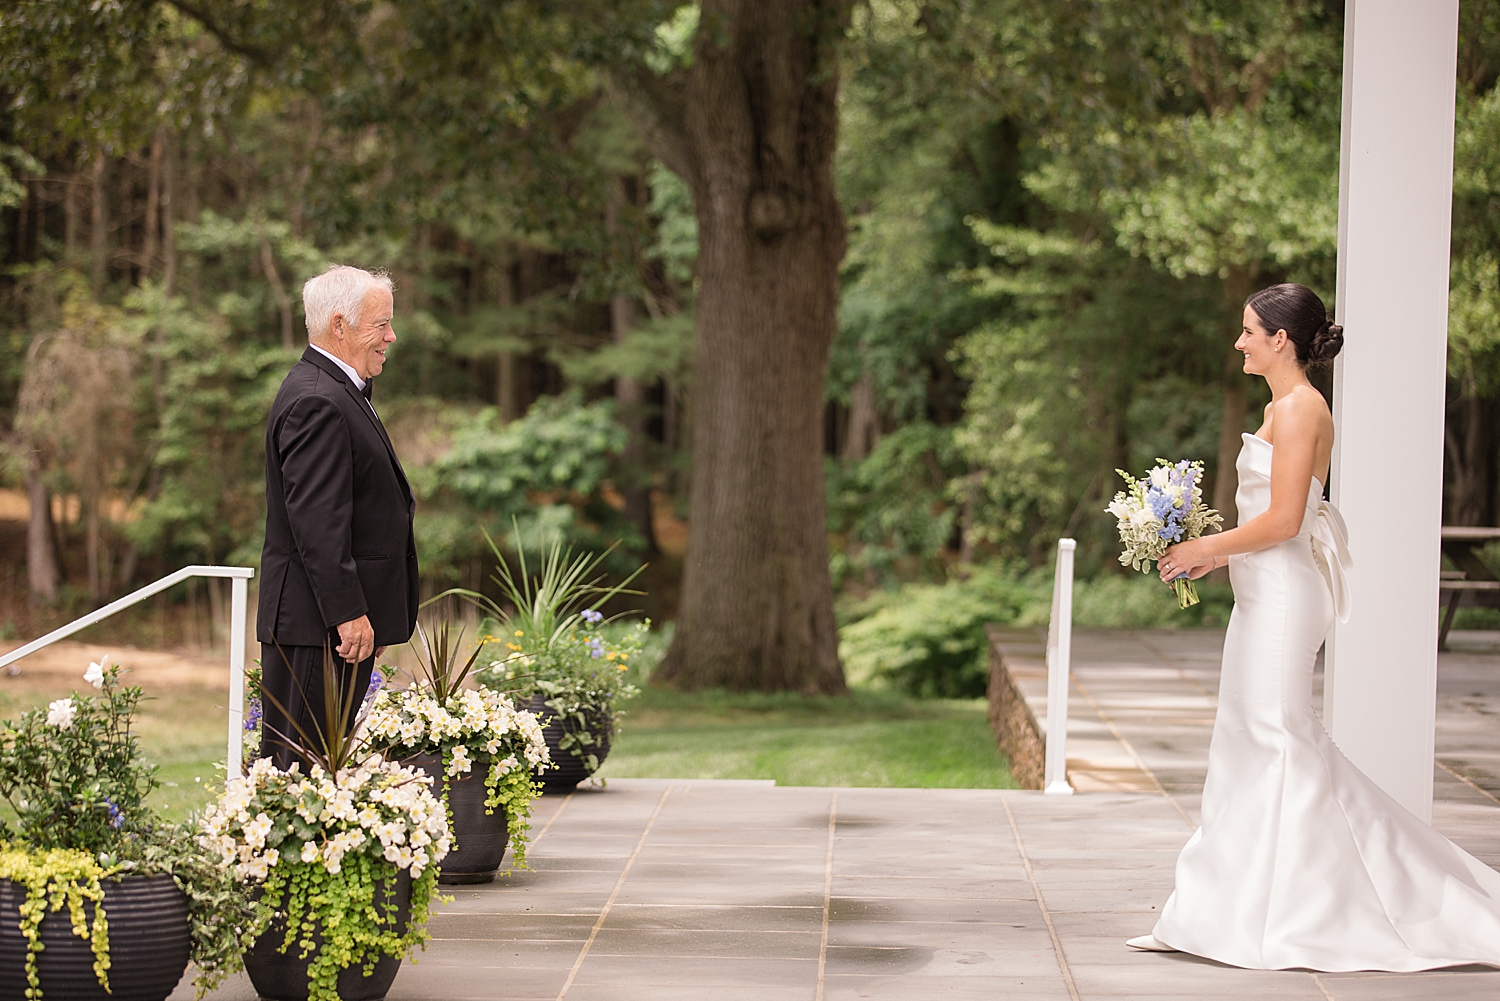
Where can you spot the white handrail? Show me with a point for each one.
(240, 577)
(1059, 655)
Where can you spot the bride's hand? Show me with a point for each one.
(1184, 558)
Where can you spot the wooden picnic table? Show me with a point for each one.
(1473, 577)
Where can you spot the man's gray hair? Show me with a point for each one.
(340, 291)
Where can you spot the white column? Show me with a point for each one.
(1395, 207)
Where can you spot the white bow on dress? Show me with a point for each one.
(1330, 546)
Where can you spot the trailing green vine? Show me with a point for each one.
(53, 879)
(512, 789)
(336, 918)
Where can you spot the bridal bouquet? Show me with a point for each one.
(1164, 508)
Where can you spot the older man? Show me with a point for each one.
(339, 568)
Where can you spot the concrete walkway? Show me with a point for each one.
(743, 890)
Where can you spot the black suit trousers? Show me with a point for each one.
(293, 676)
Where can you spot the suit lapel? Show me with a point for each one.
(363, 405)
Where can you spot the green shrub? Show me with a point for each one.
(928, 639)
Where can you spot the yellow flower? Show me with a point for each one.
(610, 655)
(624, 656)
(520, 633)
(624, 667)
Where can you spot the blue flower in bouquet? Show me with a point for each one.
(592, 617)
(116, 815)
(253, 713)
(1166, 506)
(376, 680)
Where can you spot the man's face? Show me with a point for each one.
(364, 347)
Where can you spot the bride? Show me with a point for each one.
(1301, 861)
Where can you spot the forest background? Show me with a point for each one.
(1053, 212)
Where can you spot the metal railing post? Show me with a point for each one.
(240, 577)
(1059, 655)
(234, 755)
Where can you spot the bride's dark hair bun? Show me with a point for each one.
(1298, 310)
(1327, 343)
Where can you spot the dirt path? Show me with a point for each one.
(148, 668)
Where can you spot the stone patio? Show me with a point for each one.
(743, 890)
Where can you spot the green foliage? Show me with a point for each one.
(928, 639)
(549, 469)
(893, 512)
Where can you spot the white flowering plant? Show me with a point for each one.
(1162, 509)
(76, 785)
(466, 730)
(317, 846)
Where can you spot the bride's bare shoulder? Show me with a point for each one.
(1304, 411)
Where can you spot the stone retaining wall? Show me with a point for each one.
(1013, 652)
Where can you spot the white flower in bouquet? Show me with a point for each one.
(1164, 508)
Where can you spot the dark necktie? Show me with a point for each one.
(369, 385)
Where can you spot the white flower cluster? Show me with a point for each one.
(1164, 508)
(411, 721)
(377, 808)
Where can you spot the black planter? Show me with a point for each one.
(568, 769)
(279, 976)
(479, 839)
(149, 944)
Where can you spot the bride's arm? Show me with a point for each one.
(1298, 418)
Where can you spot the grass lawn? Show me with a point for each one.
(867, 739)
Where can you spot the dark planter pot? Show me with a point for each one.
(569, 769)
(149, 944)
(281, 976)
(479, 838)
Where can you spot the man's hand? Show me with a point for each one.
(357, 640)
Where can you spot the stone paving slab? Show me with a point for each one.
(665, 890)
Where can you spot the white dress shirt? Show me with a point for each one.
(359, 383)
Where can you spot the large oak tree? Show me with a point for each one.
(750, 122)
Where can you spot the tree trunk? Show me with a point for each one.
(153, 202)
(630, 403)
(278, 290)
(754, 136)
(41, 557)
(99, 225)
(1469, 433)
(864, 420)
(1236, 398)
(70, 217)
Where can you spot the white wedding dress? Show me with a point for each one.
(1301, 861)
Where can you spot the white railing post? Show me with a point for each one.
(234, 753)
(1059, 654)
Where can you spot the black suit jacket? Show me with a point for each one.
(339, 540)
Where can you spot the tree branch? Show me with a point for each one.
(657, 107)
(199, 12)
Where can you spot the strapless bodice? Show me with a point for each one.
(1322, 525)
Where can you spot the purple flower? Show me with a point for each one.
(376, 680)
(596, 647)
(116, 815)
(592, 617)
(253, 713)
